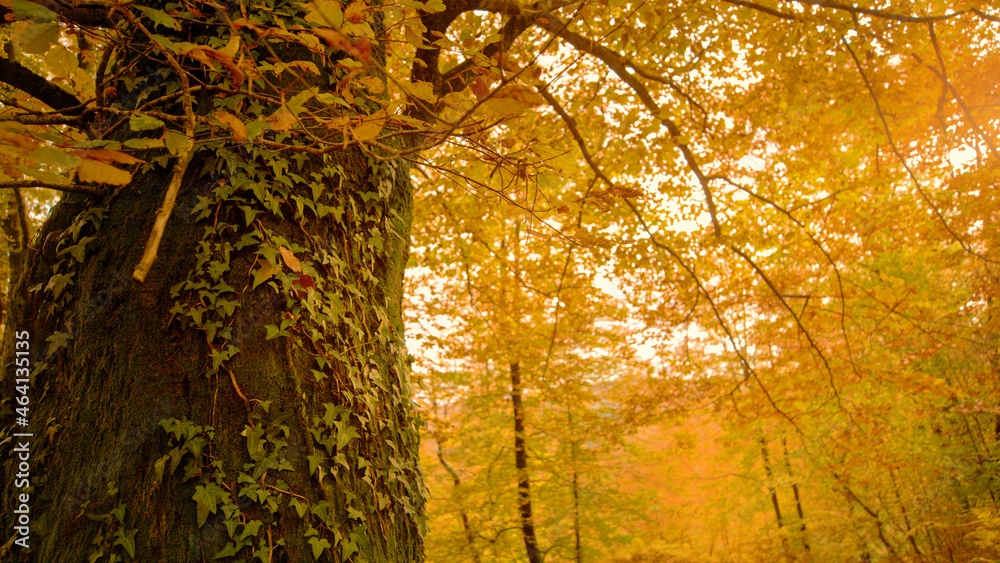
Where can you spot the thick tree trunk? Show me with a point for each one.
(166, 420)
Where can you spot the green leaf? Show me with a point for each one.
(54, 157)
(127, 541)
(159, 17)
(38, 37)
(159, 466)
(144, 143)
(319, 545)
(176, 142)
(230, 550)
(30, 10)
(143, 122)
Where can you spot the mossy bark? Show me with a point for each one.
(309, 440)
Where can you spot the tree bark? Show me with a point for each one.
(165, 418)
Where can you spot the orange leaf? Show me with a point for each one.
(355, 12)
(281, 120)
(234, 123)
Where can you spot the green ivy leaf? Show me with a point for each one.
(319, 545)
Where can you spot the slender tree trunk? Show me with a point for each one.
(167, 421)
(470, 537)
(521, 462)
(574, 454)
(773, 493)
(795, 493)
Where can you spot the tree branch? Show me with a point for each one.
(614, 61)
(879, 13)
(68, 188)
(19, 77)
(902, 159)
(764, 9)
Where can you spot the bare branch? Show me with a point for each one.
(17, 76)
(764, 9)
(614, 61)
(942, 76)
(68, 188)
(902, 159)
(880, 14)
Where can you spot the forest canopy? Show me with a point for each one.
(705, 280)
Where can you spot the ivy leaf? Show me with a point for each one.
(319, 545)
(159, 17)
(127, 541)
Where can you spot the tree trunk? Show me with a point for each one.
(250, 397)
(521, 463)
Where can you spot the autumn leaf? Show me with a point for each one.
(281, 120)
(625, 192)
(19, 140)
(355, 12)
(264, 273)
(106, 156)
(290, 260)
(370, 127)
(234, 123)
(511, 100)
(101, 173)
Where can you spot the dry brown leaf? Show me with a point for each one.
(290, 260)
(234, 123)
(22, 142)
(281, 120)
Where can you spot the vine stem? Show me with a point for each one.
(180, 167)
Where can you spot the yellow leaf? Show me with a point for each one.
(264, 273)
(372, 84)
(525, 95)
(370, 128)
(422, 90)
(502, 107)
(290, 260)
(326, 13)
(101, 173)
(234, 123)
